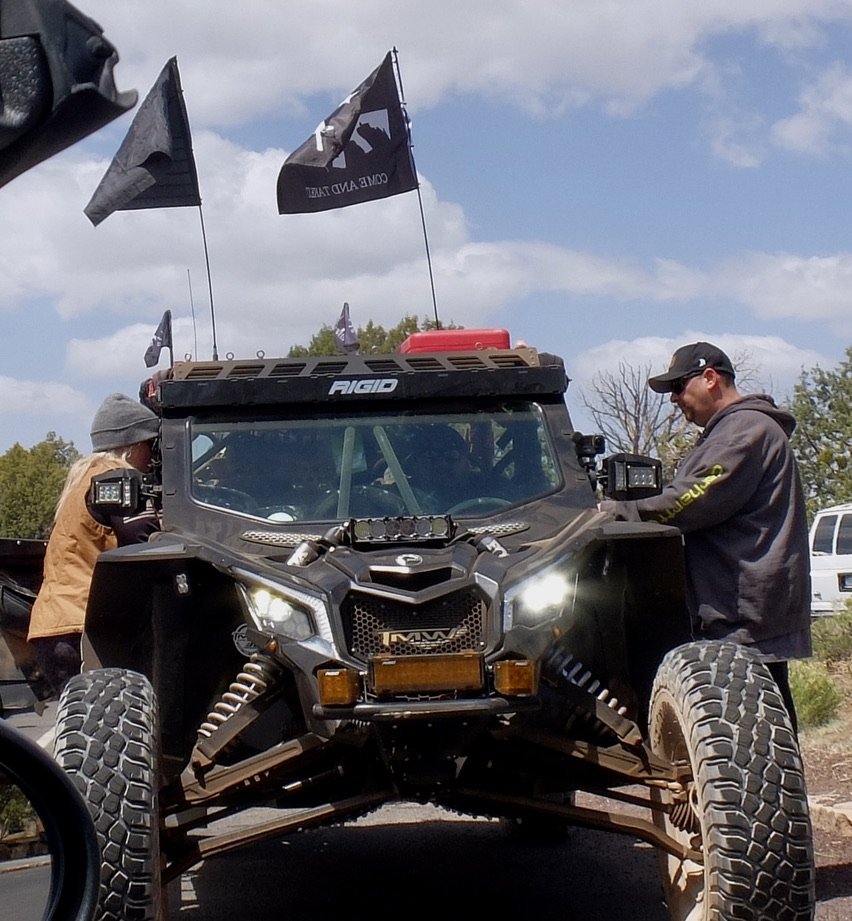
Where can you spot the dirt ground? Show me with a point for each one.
(827, 755)
(827, 750)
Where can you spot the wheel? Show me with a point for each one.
(716, 710)
(227, 497)
(479, 504)
(107, 739)
(75, 861)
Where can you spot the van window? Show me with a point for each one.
(824, 534)
(844, 536)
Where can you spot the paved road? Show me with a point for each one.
(24, 888)
(415, 861)
(418, 859)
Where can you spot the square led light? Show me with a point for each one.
(109, 492)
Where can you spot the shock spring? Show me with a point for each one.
(255, 678)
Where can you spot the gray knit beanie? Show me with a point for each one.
(122, 421)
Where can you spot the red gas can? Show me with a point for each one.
(456, 340)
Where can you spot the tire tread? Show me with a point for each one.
(106, 740)
(757, 832)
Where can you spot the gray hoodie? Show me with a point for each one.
(738, 500)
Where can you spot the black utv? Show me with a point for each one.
(386, 578)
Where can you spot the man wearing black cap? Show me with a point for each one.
(738, 500)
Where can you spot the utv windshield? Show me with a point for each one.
(329, 468)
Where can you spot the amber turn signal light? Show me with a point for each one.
(515, 678)
(338, 687)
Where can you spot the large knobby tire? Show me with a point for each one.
(107, 739)
(715, 707)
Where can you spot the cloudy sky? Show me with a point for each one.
(607, 179)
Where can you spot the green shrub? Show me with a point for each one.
(816, 696)
(832, 636)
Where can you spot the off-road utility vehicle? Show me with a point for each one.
(384, 578)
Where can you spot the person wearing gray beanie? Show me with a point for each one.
(121, 421)
(123, 433)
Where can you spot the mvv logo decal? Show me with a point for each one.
(421, 639)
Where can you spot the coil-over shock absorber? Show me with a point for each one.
(238, 707)
(561, 670)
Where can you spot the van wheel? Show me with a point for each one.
(716, 711)
(107, 740)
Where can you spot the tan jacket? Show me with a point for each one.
(75, 543)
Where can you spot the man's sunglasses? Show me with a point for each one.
(679, 385)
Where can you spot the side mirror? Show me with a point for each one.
(56, 81)
(632, 476)
(35, 780)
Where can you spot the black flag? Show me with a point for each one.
(344, 331)
(162, 340)
(154, 167)
(359, 153)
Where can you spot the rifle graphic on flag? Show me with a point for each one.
(162, 340)
(361, 152)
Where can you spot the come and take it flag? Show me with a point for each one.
(344, 332)
(162, 340)
(154, 167)
(361, 152)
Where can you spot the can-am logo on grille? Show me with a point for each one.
(421, 639)
(409, 559)
(365, 385)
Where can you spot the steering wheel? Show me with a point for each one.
(479, 504)
(227, 497)
(363, 500)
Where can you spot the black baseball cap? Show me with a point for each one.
(690, 360)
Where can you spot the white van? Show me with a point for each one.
(831, 559)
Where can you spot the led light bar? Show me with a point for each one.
(402, 528)
(462, 671)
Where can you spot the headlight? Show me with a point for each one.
(285, 612)
(540, 597)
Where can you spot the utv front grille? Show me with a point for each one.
(384, 626)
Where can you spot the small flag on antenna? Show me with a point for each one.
(344, 331)
(162, 340)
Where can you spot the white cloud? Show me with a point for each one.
(286, 275)
(772, 363)
(789, 285)
(734, 139)
(41, 399)
(23, 396)
(542, 56)
(825, 109)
